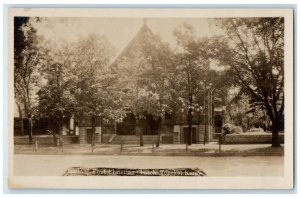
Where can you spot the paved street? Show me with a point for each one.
(56, 165)
(211, 149)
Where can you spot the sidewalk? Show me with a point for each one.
(211, 149)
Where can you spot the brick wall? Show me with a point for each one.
(201, 133)
(83, 135)
(178, 135)
(208, 136)
(45, 140)
(251, 138)
(176, 138)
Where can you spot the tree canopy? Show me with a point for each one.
(81, 77)
(255, 53)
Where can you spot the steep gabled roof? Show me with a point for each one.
(134, 44)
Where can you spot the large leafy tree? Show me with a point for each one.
(56, 100)
(192, 67)
(159, 58)
(80, 82)
(143, 75)
(19, 39)
(28, 56)
(96, 87)
(255, 53)
(137, 97)
(19, 46)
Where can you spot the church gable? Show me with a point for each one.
(137, 47)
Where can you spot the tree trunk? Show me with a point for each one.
(54, 137)
(115, 127)
(29, 115)
(275, 136)
(140, 132)
(159, 133)
(189, 141)
(30, 130)
(93, 131)
(21, 119)
(60, 132)
(22, 125)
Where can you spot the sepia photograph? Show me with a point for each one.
(151, 98)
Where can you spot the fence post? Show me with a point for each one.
(92, 145)
(152, 146)
(121, 145)
(220, 142)
(62, 145)
(36, 146)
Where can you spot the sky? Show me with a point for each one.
(118, 31)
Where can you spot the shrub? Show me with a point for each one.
(232, 129)
(228, 128)
(256, 130)
(237, 129)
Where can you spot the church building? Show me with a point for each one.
(206, 125)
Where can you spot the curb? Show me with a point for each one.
(224, 154)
